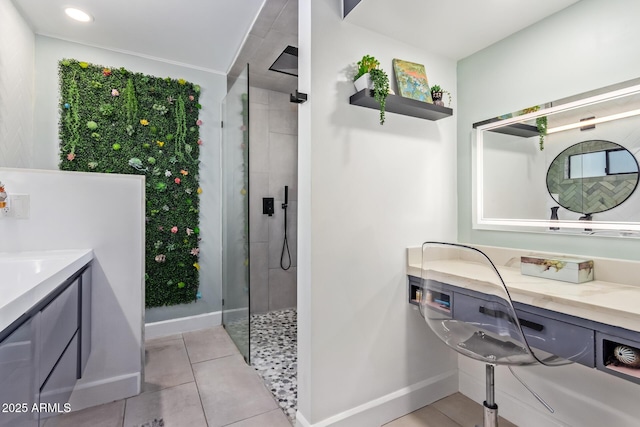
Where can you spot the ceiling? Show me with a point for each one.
(275, 28)
(222, 36)
(452, 28)
(203, 34)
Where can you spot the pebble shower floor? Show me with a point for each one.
(274, 356)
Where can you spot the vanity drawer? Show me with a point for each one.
(57, 389)
(58, 323)
(483, 313)
(563, 339)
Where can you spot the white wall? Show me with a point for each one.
(16, 88)
(72, 210)
(512, 164)
(49, 51)
(586, 46)
(366, 193)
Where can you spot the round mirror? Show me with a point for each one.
(592, 176)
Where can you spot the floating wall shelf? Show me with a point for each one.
(516, 129)
(399, 105)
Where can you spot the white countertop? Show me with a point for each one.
(606, 302)
(27, 277)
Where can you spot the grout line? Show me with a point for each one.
(195, 380)
(217, 358)
(253, 416)
(124, 412)
(446, 415)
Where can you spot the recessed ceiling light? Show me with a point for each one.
(78, 15)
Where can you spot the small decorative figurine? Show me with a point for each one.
(3, 196)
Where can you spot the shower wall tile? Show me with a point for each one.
(258, 95)
(268, 15)
(283, 121)
(273, 154)
(276, 234)
(283, 154)
(259, 277)
(258, 222)
(280, 101)
(282, 289)
(258, 138)
(277, 181)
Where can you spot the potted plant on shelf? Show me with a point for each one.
(369, 76)
(436, 95)
(362, 79)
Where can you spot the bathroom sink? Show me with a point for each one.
(28, 277)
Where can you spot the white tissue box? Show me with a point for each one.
(574, 270)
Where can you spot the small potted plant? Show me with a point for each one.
(436, 95)
(362, 79)
(369, 76)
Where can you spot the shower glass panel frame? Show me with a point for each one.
(235, 213)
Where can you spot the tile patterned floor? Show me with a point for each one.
(274, 356)
(456, 410)
(196, 379)
(199, 379)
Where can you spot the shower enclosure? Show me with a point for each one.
(235, 213)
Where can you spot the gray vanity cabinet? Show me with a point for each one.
(84, 344)
(17, 377)
(44, 353)
(58, 324)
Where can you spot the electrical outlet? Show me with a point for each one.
(21, 206)
(18, 207)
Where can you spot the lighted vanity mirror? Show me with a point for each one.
(586, 171)
(592, 176)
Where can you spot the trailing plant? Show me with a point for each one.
(541, 124)
(72, 117)
(380, 89)
(117, 121)
(131, 105)
(365, 65)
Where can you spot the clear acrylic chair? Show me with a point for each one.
(466, 303)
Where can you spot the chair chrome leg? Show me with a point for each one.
(490, 416)
(490, 408)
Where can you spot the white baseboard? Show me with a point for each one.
(104, 391)
(391, 406)
(182, 324)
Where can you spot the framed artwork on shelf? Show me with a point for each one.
(412, 80)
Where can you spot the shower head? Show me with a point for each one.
(287, 62)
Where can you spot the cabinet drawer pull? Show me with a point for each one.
(501, 314)
(495, 313)
(531, 325)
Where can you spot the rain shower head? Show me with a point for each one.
(287, 62)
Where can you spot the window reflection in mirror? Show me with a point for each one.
(601, 163)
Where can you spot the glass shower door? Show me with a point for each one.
(235, 213)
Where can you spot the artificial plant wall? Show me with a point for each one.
(115, 121)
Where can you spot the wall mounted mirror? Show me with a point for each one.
(551, 168)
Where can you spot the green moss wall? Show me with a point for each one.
(113, 120)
